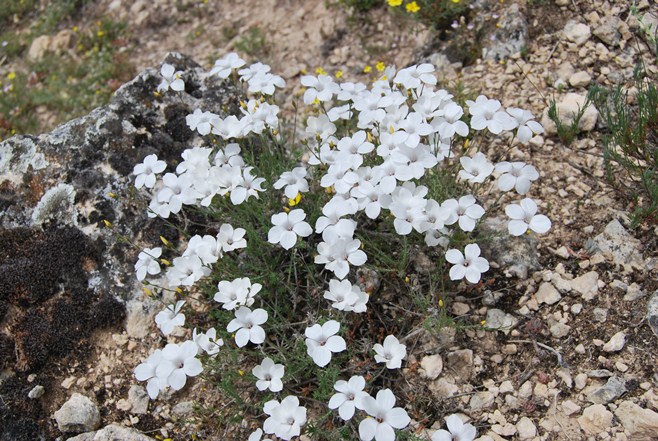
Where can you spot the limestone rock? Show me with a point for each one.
(580, 79)
(640, 423)
(460, 363)
(608, 31)
(576, 32)
(500, 320)
(547, 294)
(113, 432)
(620, 244)
(586, 285)
(482, 400)
(567, 110)
(78, 414)
(652, 313)
(616, 343)
(431, 366)
(595, 420)
(526, 428)
(38, 48)
(509, 35)
(517, 256)
(138, 399)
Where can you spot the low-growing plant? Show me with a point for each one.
(631, 145)
(301, 251)
(568, 128)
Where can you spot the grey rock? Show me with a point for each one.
(36, 392)
(621, 245)
(652, 313)
(482, 400)
(517, 256)
(576, 32)
(616, 342)
(78, 414)
(600, 315)
(525, 428)
(113, 432)
(183, 408)
(509, 36)
(460, 363)
(613, 389)
(560, 330)
(139, 400)
(500, 320)
(608, 31)
(599, 373)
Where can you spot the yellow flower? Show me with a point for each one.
(147, 291)
(320, 71)
(367, 69)
(455, 1)
(100, 33)
(394, 3)
(412, 7)
(107, 223)
(11, 76)
(295, 200)
(112, 195)
(440, 303)
(165, 262)
(483, 322)
(380, 66)
(339, 74)
(75, 29)
(164, 240)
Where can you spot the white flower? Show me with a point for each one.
(287, 226)
(294, 181)
(269, 375)
(286, 418)
(239, 292)
(146, 171)
(224, 66)
(517, 175)
(170, 317)
(457, 431)
(469, 264)
(179, 362)
(413, 77)
(171, 78)
(338, 253)
(527, 127)
(345, 296)
(256, 435)
(265, 83)
(146, 372)
(208, 341)
(186, 271)
(466, 211)
(231, 239)
(200, 121)
(247, 324)
(147, 262)
(523, 217)
(321, 88)
(476, 169)
(321, 342)
(349, 397)
(385, 417)
(391, 353)
(487, 114)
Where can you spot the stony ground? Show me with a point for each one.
(570, 354)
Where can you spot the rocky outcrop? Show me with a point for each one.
(64, 273)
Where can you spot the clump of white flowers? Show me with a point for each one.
(402, 132)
